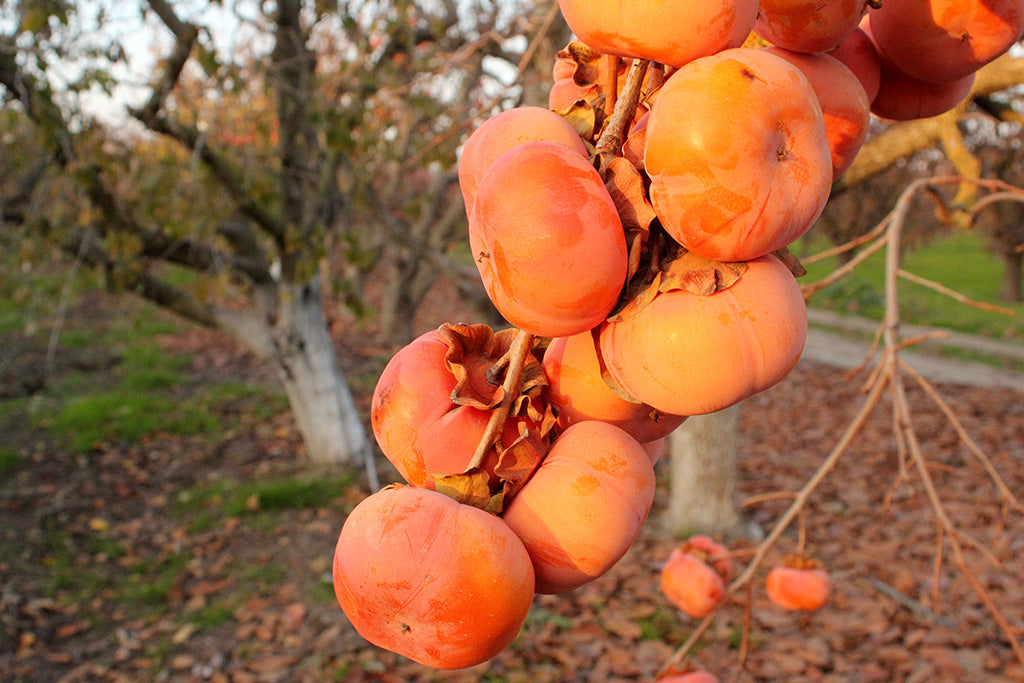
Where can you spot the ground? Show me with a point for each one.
(204, 554)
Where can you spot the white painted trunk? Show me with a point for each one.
(287, 327)
(702, 488)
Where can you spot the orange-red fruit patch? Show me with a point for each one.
(547, 240)
(672, 33)
(578, 391)
(687, 354)
(808, 25)
(844, 103)
(798, 588)
(942, 41)
(444, 584)
(690, 583)
(584, 506)
(506, 130)
(737, 154)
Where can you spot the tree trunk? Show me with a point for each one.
(702, 489)
(286, 326)
(1011, 288)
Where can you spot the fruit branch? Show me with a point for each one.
(889, 374)
(614, 134)
(516, 355)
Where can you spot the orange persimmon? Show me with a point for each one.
(578, 392)
(943, 41)
(799, 587)
(547, 240)
(690, 581)
(844, 103)
(860, 56)
(668, 32)
(416, 423)
(808, 25)
(584, 506)
(737, 154)
(506, 130)
(687, 354)
(444, 584)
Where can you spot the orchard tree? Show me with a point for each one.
(326, 130)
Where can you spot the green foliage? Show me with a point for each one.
(9, 461)
(960, 261)
(129, 415)
(285, 493)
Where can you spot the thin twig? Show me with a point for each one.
(842, 271)
(952, 293)
(1008, 497)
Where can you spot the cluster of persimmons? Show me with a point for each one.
(645, 277)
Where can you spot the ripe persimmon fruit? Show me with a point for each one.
(506, 130)
(418, 425)
(944, 41)
(584, 506)
(801, 587)
(666, 32)
(687, 354)
(808, 25)
(902, 97)
(444, 584)
(577, 390)
(689, 579)
(547, 240)
(844, 103)
(737, 154)
(860, 56)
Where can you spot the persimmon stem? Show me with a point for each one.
(610, 142)
(517, 355)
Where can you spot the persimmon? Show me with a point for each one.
(690, 677)
(690, 581)
(578, 392)
(584, 506)
(506, 130)
(808, 25)
(444, 584)
(687, 354)
(666, 32)
(800, 587)
(737, 154)
(860, 55)
(415, 418)
(944, 41)
(844, 103)
(711, 551)
(547, 240)
(655, 449)
(902, 97)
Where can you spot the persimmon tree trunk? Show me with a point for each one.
(1011, 288)
(702, 492)
(286, 327)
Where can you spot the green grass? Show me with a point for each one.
(128, 414)
(960, 261)
(9, 461)
(202, 505)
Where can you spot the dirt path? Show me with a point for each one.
(844, 341)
